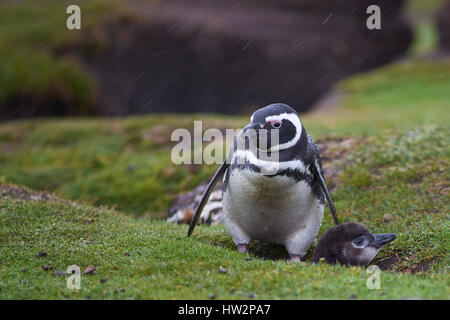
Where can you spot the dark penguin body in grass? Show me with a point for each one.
(350, 244)
(275, 200)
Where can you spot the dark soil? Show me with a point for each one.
(394, 262)
(18, 192)
(22, 193)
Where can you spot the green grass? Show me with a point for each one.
(397, 96)
(163, 263)
(393, 160)
(83, 158)
(403, 175)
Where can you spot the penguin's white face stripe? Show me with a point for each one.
(368, 254)
(292, 117)
(271, 166)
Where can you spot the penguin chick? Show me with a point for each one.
(351, 244)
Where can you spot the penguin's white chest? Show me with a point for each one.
(270, 209)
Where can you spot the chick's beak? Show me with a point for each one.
(382, 238)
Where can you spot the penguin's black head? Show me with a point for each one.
(279, 121)
(350, 243)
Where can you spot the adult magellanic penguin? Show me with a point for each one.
(274, 190)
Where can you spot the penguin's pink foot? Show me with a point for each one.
(294, 258)
(243, 247)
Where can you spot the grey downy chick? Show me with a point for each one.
(350, 244)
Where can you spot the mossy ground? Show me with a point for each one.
(163, 263)
(387, 153)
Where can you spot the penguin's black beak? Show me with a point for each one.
(382, 238)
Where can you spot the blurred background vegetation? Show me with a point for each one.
(134, 57)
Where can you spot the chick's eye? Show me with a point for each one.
(359, 242)
(275, 124)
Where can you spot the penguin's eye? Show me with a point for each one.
(276, 124)
(359, 242)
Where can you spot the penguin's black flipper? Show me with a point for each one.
(206, 195)
(317, 173)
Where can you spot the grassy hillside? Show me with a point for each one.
(385, 151)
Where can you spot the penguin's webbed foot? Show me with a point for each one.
(243, 247)
(295, 258)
